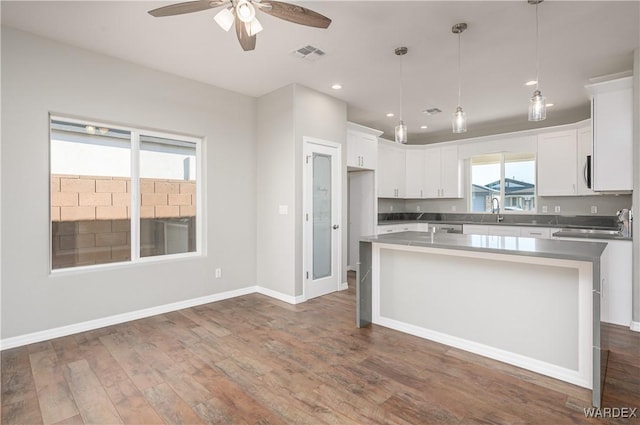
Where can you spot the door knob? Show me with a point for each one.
(335, 226)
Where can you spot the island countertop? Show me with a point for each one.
(531, 247)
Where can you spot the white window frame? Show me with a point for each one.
(502, 186)
(136, 133)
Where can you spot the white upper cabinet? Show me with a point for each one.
(362, 147)
(584, 155)
(391, 171)
(432, 173)
(415, 173)
(612, 122)
(557, 163)
(450, 173)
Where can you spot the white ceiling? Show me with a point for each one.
(578, 40)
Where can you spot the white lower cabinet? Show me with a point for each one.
(475, 229)
(536, 232)
(500, 230)
(404, 227)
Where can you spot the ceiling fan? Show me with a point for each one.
(243, 14)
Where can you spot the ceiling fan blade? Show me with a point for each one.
(187, 7)
(292, 13)
(248, 42)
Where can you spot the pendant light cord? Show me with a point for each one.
(401, 86)
(537, 50)
(459, 90)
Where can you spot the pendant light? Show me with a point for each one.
(537, 103)
(401, 129)
(459, 120)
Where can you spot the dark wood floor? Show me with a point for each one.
(255, 360)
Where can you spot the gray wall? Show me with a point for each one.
(41, 76)
(321, 117)
(285, 116)
(275, 246)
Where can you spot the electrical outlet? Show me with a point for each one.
(218, 273)
(454, 208)
(545, 209)
(594, 209)
(391, 208)
(418, 208)
(557, 208)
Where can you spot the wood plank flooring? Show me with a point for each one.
(255, 360)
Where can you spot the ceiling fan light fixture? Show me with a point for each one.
(254, 27)
(225, 18)
(245, 10)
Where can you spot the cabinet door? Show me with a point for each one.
(557, 159)
(368, 148)
(362, 150)
(353, 149)
(612, 140)
(536, 232)
(475, 229)
(391, 172)
(414, 174)
(500, 230)
(449, 172)
(431, 173)
(584, 150)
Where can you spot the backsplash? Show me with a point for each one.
(552, 220)
(606, 205)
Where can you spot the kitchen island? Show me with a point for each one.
(533, 303)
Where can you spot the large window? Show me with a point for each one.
(510, 178)
(121, 194)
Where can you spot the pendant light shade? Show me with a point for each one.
(401, 129)
(537, 107)
(459, 119)
(537, 103)
(401, 132)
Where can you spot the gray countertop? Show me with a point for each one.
(531, 247)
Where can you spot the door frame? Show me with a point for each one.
(308, 143)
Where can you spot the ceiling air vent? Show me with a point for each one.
(308, 53)
(432, 111)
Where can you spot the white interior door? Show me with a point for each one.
(322, 218)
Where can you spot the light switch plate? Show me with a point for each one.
(594, 209)
(283, 209)
(557, 208)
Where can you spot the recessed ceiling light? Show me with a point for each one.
(549, 105)
(531, 83)
(336, 86)
(424, 127)
(391, 114)
(90, 129)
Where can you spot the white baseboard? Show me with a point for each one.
(291, 299)
(635, 326)
(89, 325)
(343, 286)
(538, 366)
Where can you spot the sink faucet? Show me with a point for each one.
(495, 208)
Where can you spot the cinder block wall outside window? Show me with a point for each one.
(90, 217)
